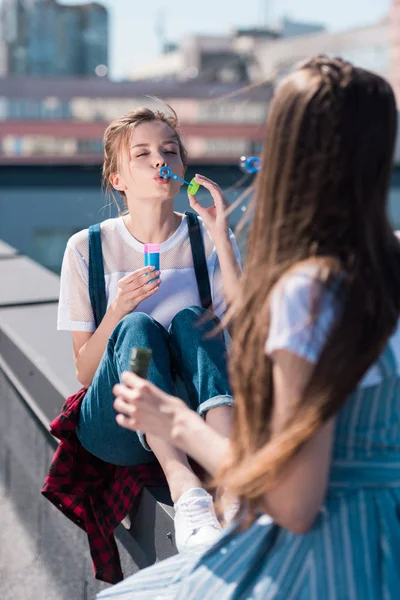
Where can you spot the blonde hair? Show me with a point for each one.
(117, 135)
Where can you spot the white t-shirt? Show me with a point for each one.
(123, 254)
(293, 328)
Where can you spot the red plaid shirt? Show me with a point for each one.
(92, 493)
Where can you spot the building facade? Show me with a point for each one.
(216, 58)
(44, 38)
(62, 120)
(367, 47)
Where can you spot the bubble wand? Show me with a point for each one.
(250, 164)
(166, 173)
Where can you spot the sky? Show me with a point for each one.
(133, 31)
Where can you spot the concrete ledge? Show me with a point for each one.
(36, 375)
(7, 251)
(27, 282)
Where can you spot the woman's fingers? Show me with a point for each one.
(130, 379)
(125, 408)
(126, 422)
(201, 210)
(143, 282)
(214, 189)
(206, 181)
(136, 275)
(141, 405)
(211, 215)
(140, 294)
(128, 402)
(135, 388)
(125, 391)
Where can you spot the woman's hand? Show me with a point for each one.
(143, 406)
(134, 288)
(214, 217)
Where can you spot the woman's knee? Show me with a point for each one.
(137, 325)
(137, 319)
(193, 316)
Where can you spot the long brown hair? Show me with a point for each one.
(321, 197)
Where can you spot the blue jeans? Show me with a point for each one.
(183, 350)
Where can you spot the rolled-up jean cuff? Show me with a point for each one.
(214, 403)
(142, 440)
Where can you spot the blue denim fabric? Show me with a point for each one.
(184, 350)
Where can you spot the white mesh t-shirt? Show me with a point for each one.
(123, 254)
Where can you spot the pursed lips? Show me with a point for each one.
(160, 179)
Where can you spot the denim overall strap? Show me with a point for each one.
(199, 260)
(97, 287)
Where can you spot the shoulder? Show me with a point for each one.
(79, 242)
(306, 284)
(303, 308)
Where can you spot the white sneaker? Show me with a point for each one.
(196, 523)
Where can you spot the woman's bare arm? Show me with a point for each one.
(89, 347)
(296, 499)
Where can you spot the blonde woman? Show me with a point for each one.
(156, 310)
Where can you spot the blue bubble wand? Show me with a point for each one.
(166, 173)
(250, 164)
